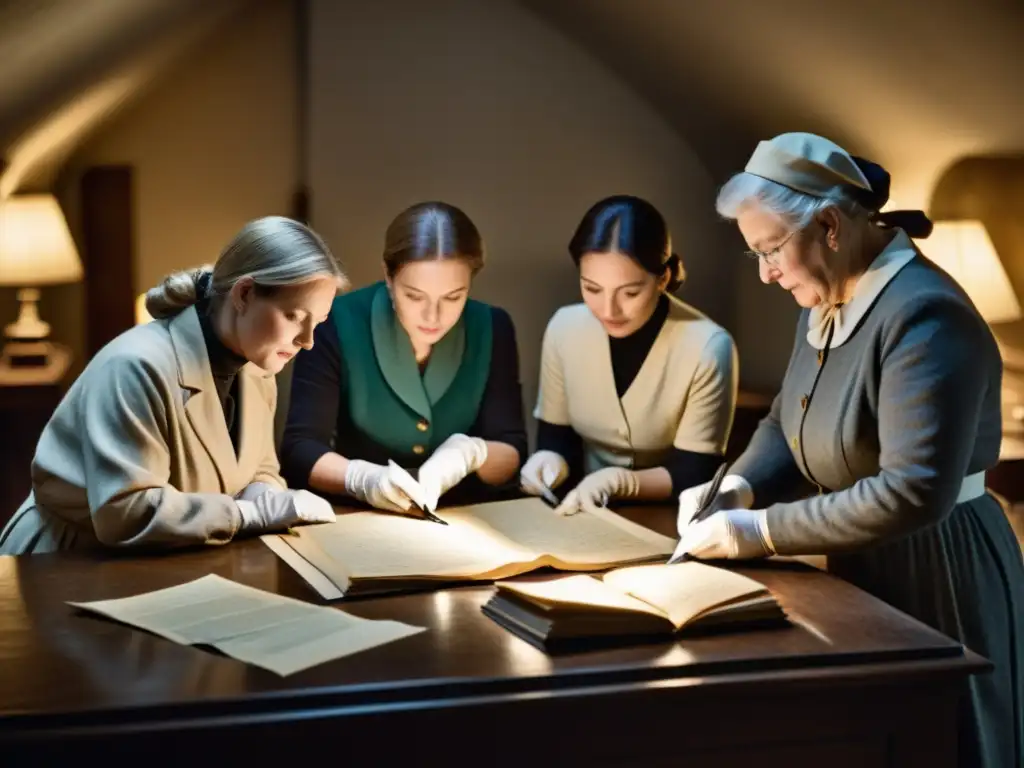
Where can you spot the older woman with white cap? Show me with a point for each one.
(890, 407)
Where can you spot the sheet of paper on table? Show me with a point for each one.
(270, 631)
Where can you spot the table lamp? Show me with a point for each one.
(965, 250)
(36, 249)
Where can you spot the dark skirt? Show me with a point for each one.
(965, 578)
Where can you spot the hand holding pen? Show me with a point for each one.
(707, 498)
(543, 472)
(408, 485)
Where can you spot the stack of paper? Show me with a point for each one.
(248, 624)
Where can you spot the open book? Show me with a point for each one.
(656, 601)
(372, 552)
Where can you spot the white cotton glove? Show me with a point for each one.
(455, 459)
(733, 493)
(544, 469)
(254, 490)
(597, 488)
(376, 485)
(277, 509)
(734, 534)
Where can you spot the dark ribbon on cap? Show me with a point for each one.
(914, 222)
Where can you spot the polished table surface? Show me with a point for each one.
(60, 668)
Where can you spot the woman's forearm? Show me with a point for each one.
(328, 474)
(655, 484)
(501, 465)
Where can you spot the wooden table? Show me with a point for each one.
(851, 683)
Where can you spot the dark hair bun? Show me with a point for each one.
(677, 274)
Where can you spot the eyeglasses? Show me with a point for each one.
(771, 258)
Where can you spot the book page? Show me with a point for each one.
(267, 630)
(579, 590)
(367, 545)
(686, 590)
(579, 540)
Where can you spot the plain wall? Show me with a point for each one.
(485, 106)
(212, 144)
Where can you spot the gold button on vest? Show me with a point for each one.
(418, 449)
(422, 425)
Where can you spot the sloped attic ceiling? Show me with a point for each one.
(913, 84)
(67, 65)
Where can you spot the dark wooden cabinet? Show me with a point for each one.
(27, 400)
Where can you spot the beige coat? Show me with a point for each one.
(138, 452)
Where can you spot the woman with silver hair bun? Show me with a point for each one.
(890, 407)
(166, 439)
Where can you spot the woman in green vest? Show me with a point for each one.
(411, 369)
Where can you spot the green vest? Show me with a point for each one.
(392, 410)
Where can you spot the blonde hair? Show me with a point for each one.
(274, 251)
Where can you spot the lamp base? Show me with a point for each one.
(29, 326)
(20, 364)
(20, 354)
(27, 346)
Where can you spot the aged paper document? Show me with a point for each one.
(267, 630)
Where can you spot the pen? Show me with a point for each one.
(548, 496)
(705, 503)
(409, 487)
(427, 514)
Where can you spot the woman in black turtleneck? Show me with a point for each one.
(637, 389)
(166, 438)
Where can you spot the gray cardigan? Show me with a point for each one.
(902, 411)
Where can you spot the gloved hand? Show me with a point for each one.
(733, 493)
(277, 509)
(376, 485)
(253, 490)
(543, 469)
(452, 461)
(597, 488)
(735, 534)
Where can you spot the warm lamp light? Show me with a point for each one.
(142, 315)
(35, 249)
(965, 250)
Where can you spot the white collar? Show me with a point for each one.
(896, 255)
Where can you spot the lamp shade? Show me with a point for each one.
(35, 244)
(965, 250)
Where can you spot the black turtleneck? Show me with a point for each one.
(686, 468)
(225, 366)
(629, 352)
